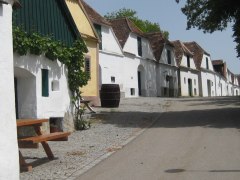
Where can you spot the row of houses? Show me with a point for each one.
(143, 64)
(147, 64)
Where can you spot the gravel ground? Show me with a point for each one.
(112, 128)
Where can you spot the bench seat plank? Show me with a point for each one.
(45, 137)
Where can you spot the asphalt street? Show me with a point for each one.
(196, 139)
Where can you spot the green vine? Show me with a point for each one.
(72, 57)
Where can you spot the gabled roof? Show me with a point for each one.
(157, 42)
(94, 15)
(180, 50)
(55, 20)
(197, 51)
(217, 62)
(123, 27)
(219, 66)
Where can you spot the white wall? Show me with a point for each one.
(109, 41)
(208, 76)
(184, 76)
(58, 102)
(164, 69)
(220, 85)
(9, 163)
(131, 46)
(204, 62)
(130, 76)
(111, 65)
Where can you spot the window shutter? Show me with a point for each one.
(188, 61)
(169, 56)
(45, 91)
(139, 40)
(88, 66)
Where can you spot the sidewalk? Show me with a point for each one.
(112, 128)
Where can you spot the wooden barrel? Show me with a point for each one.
(110, 95)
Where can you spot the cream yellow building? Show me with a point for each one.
(88, 33)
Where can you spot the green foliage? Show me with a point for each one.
(213, 15)
(143, 25)
(72, 57)
(81, 123)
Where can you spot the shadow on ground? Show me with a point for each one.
(212, 118)
(218, 101)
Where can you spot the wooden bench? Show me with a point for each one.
(86, 103)
(45, 137)
(39, 138)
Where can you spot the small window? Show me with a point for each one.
(194, 81)
(55, 85)
(99, 32)
(207, 66)
(132, 91)
(112, 79)
(195, 91)
(188, 61)
(88, 66)
(169, 56)
(45, 91)
(139, 41)
(184, 80)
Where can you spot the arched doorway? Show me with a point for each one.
(141, 81)
(25, 93)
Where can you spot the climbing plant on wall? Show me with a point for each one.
(72, 57)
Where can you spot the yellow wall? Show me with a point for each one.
(87, 32)
(91, 89)
(80, 18)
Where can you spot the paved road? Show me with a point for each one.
(197, 139)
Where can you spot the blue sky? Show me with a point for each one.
(170, 18)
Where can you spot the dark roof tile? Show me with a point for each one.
(94, 15)
(157, 42)
(197, 51)
(180, 50)
(123, 27)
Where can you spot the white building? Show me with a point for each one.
(139, 69)
(111, 58)
(207, 86)
(41, 88)
(220, 78)
(166, 66)
(41, 84)
(188, 73)
(9, 163)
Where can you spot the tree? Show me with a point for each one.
(143, 25)
(213, 15)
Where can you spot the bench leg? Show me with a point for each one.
(23, 165)
(90, 108)
(47, 150)
(45, 145)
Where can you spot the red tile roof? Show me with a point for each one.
(217, 62)
(123, 27)
(180, 50)
(157, 42)
(219, 66)
(94, 15)
(197, 51)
